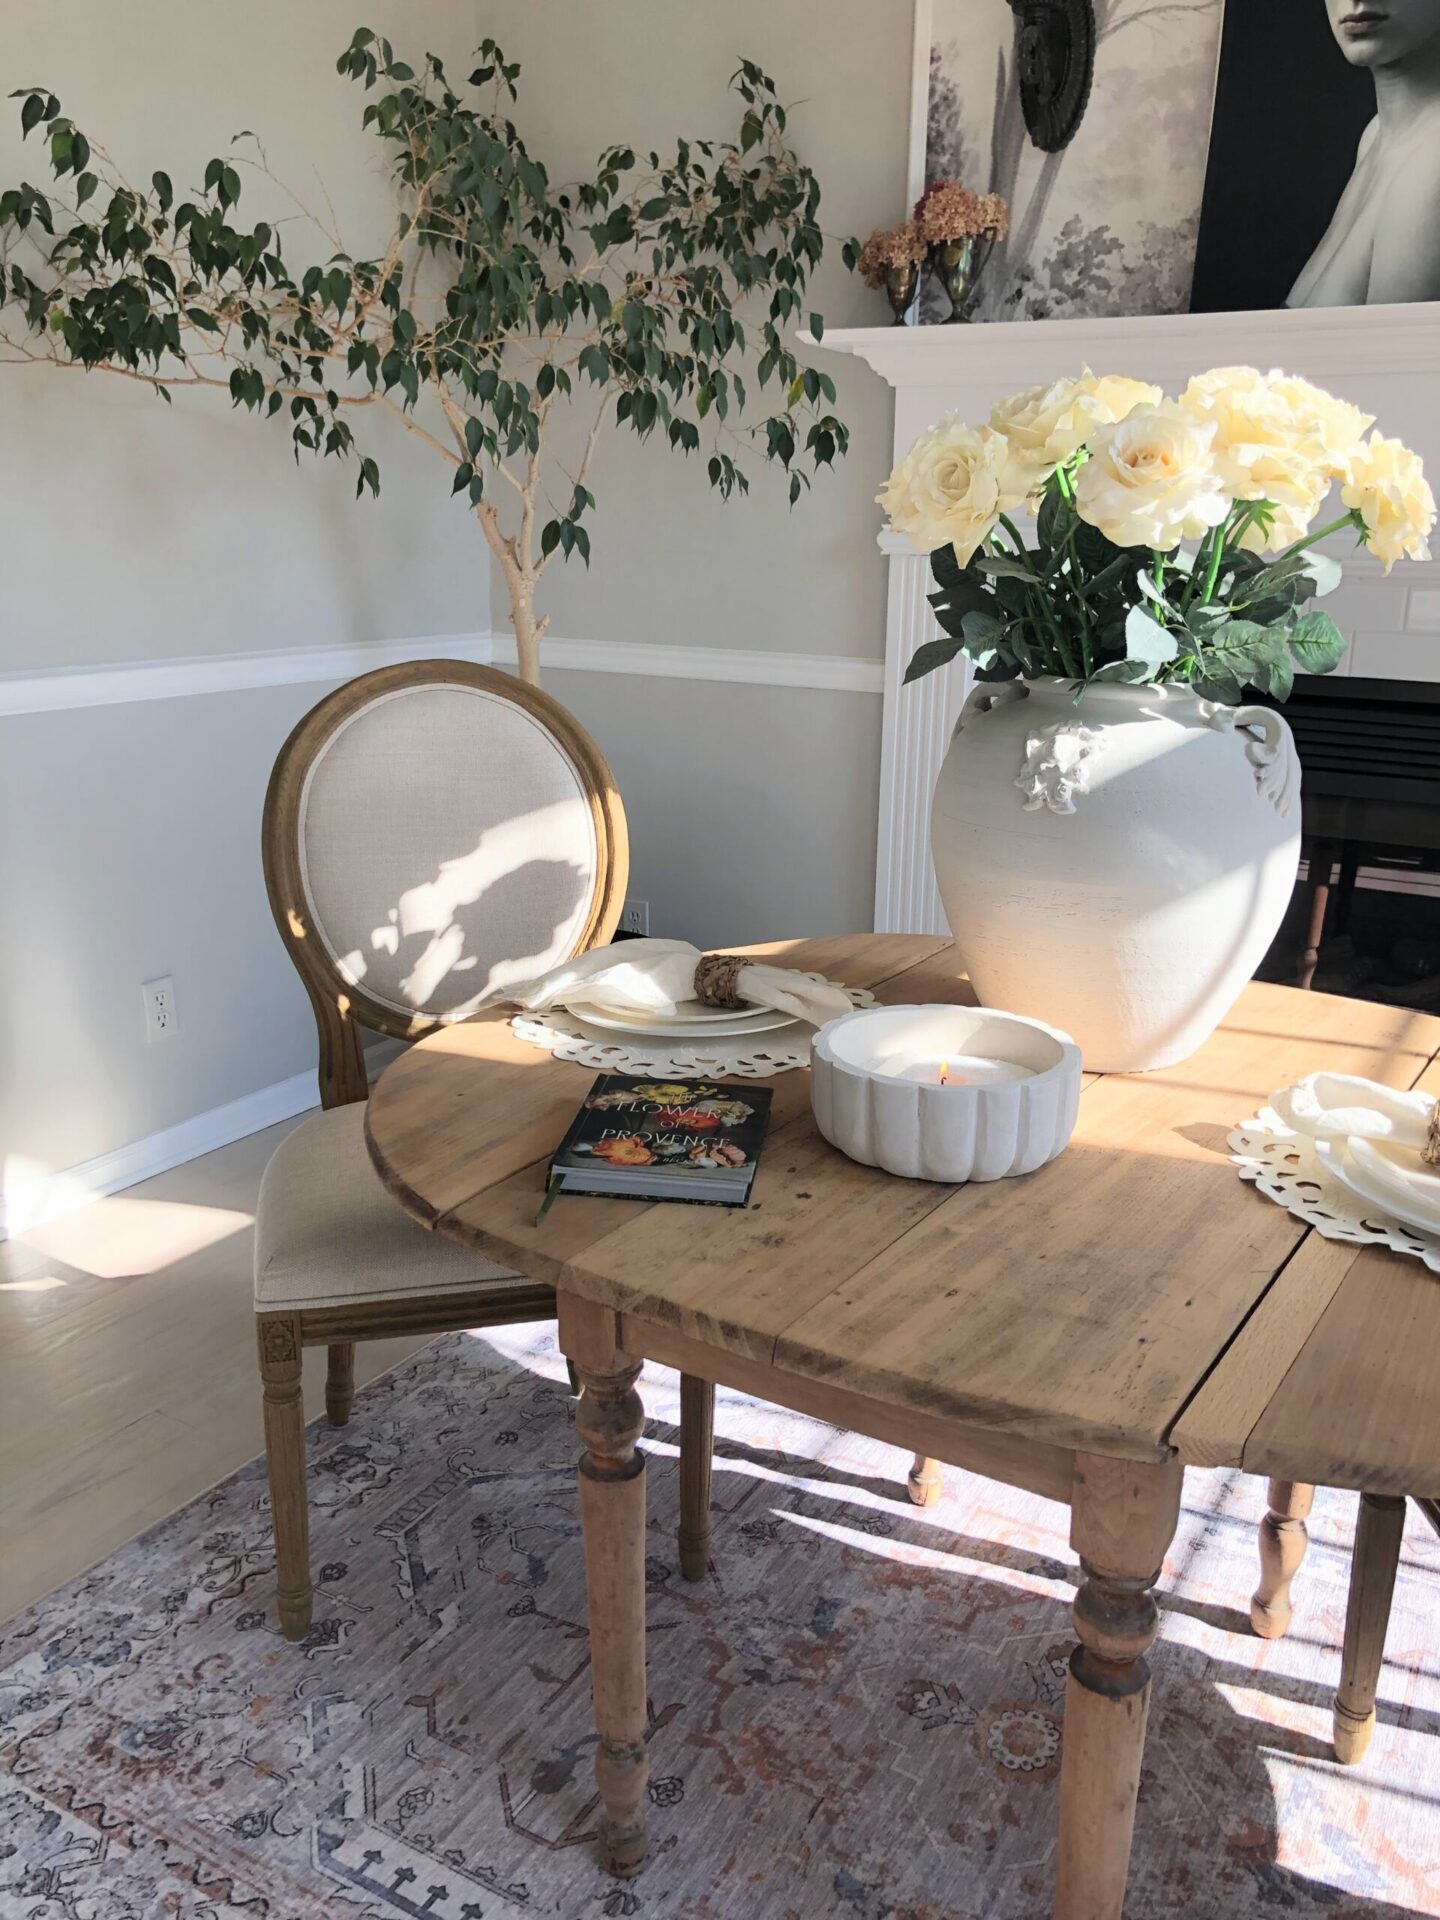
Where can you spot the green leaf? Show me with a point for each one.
(1126, 671)
(926, 658)
(1317, 643)
(84, 187)
(164, 192)
(1147, 642)
(464, 474)
(1000, 566)
(981, 630)
(817, 326)
(31, 113)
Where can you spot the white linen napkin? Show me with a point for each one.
(1339, 1106)
(656, 976)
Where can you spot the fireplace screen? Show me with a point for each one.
(1365, 919)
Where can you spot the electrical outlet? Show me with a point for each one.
(161, 1017)
(635, 918)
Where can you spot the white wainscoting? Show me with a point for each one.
(1386, 359)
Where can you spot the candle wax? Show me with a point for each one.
(963, 1070)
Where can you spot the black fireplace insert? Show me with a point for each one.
(1366, 915)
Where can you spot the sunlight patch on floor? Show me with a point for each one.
(116, 1238)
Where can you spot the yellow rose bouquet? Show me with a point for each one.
(1174, 538)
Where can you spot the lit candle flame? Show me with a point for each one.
(944, 1072)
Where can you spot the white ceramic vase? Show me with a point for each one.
(1116, 866)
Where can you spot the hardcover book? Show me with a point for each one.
(664, 1140)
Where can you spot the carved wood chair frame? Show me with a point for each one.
(342, 1012)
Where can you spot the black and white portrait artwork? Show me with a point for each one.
(1251, 155)
(1324, 190)
(1108, 224)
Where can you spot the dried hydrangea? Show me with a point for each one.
(947, 211)
(888, 248)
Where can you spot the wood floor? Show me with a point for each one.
(127, 1365)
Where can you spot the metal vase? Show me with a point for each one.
(958, 265)
(901, 286)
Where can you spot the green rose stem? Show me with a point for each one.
(1067, 494)
(1047, 612)
(1350, 518)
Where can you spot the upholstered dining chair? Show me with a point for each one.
(431, 831)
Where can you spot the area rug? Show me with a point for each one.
(856, 1716)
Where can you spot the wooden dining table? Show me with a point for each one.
(1086, 1332)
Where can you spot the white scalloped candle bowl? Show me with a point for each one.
(877, 1094)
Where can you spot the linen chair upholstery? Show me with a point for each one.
(327, 1233)
(431, 831)
(428, 892)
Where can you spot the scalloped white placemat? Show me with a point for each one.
(1284, 1167)
(748, 1056)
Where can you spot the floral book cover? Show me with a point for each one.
(664, 1140)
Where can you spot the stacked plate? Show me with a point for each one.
(1394, 1179)
(691, 1020)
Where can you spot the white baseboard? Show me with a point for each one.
(32, 1195)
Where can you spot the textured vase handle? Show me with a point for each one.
(1270, 749)
(986, 697)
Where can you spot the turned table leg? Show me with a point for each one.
(1367, 1615)
(1123, 1517)
(1283, 1540)
(925, 1481)
(697, 1445)
(608, 1419)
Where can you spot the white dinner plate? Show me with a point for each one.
(691, 1020)
(1395, 1179)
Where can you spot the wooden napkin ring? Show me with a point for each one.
(1432, 1139)
(715, 978)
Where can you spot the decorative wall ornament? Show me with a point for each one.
(1055, 62)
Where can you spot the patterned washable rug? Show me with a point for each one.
(858, 1714)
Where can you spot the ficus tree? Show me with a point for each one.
(642, 296)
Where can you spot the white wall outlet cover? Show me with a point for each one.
(161, 1015)
(635, 917)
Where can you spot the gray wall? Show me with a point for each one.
(130, 531)
(670, 563)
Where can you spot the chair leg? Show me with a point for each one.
(697, 1441)
(925, 1481)
(278, 1338)
(1283, 1540)
(1372, 1583)
(340, 1383)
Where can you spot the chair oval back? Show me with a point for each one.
(432, 832)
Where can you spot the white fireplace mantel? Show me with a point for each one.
(1386, 359)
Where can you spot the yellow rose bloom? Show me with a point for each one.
(1044, 426)
(950, 488)
(1264, 449)
(1387, 484)
(1151, 479)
